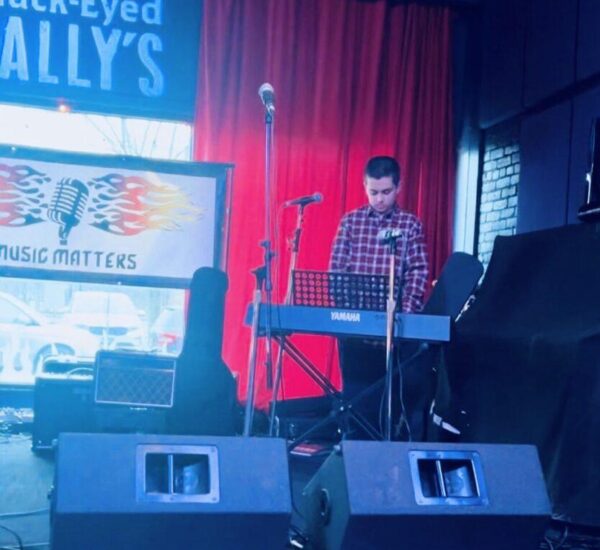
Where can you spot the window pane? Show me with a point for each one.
(39, 319)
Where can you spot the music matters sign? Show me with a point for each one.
(109, 219)
(129, 57)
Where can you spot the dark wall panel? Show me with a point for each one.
(585, 109)
(543, 188)
(588, 52)
(503, 31)
(550, 48)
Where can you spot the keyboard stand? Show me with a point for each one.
(342, 408)
(345, 408)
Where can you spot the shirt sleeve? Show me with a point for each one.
(416, 270)
(340, 249)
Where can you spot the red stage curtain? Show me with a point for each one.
(352, 79)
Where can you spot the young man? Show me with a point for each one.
(356, 248)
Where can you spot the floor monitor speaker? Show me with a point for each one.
(424, 496)
(151, 492)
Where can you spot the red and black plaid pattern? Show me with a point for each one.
(357, 250)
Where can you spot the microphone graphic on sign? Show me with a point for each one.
(67, 205)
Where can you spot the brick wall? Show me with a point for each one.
(499, 184)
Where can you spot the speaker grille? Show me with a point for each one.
(134, 379)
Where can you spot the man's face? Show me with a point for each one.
(381, 193)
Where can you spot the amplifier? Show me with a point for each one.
(61, 403)
(135, 379)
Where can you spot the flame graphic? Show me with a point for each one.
(22, 196)
(128, 205)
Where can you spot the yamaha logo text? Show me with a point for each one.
(348, 316)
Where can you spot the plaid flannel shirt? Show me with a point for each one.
(356, 250)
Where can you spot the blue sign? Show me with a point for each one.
(128, 57)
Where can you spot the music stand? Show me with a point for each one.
(332, 289)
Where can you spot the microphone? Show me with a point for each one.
(67, 205)
(303, 201)
(267, 96)
(390, 234)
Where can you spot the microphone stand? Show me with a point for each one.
(295, 246)
(268, 284)
(259, 273)
(389, 339)
(267, 245)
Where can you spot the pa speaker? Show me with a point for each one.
(150, 492)
(423, 496)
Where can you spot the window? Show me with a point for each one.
(40, 318)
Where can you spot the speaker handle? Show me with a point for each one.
(325, 506)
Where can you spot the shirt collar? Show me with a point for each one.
(371, 212)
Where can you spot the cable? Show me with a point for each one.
(78, 370)
(561, 541)
(6, 437)
(22, 514)
(45, 545)
(294, 506)
(277, 288)
(403, 418)
(381, 408)
(301, 539)
(16, 535)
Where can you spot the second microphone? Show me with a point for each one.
(303, 201)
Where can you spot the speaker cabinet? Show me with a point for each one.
(424, 496)
(133, 391)
(61, 403)
(149, 492)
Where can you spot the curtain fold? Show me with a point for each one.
(352, 79)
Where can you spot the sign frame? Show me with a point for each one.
(223, 177)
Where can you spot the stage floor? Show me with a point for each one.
(26, 479)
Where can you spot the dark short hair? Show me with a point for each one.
(382, 167)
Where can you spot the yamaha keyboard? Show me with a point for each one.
(286, 319)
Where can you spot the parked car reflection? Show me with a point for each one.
(27, 338)
(166, 333)
(111, 316)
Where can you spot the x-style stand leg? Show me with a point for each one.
(342, 408)
(345, 408)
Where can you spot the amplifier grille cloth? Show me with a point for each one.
(129, 384)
